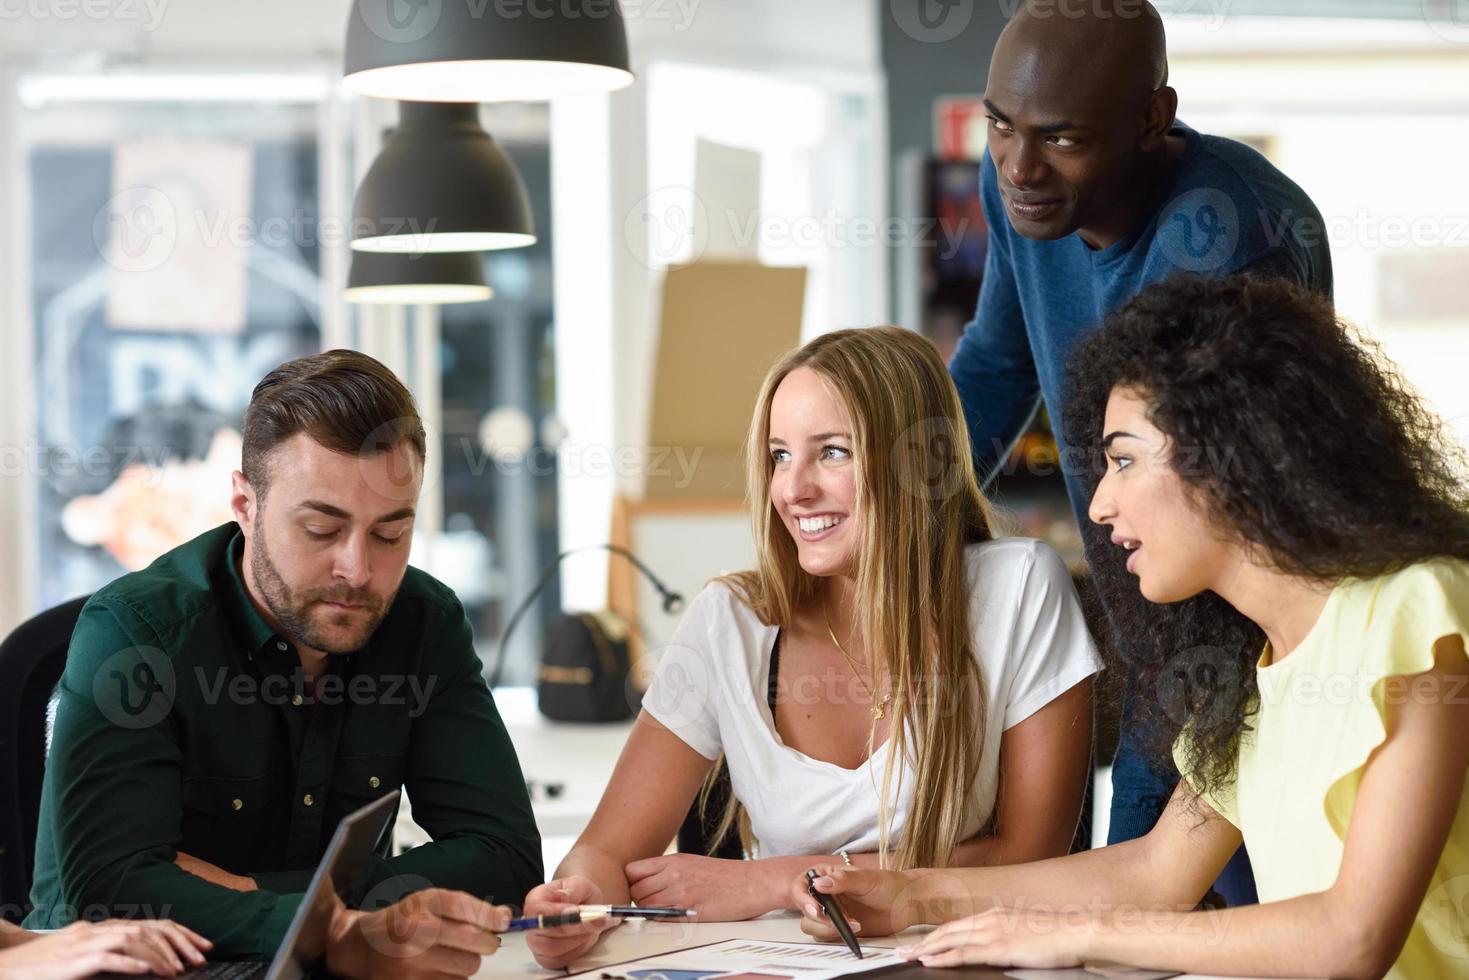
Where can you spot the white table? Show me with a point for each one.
(636, 939)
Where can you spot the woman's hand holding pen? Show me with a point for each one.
(879, 902)
(555, 948)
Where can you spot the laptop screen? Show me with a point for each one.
(351, 846)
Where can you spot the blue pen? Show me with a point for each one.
(588, 913)
(544, 921)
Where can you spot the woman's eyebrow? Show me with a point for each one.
(1107, 442)
(819, 437)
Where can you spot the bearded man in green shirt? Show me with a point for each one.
(224, 708)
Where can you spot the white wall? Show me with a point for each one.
(1378, 139)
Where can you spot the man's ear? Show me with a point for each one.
(243, 502)
(1159, 117)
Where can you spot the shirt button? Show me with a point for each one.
(296, 700)
(374, 782)
(282, 645)
(238, 804)
(308, 799)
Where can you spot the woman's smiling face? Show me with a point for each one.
(814, 482)
(1173, 549)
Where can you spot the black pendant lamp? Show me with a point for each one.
(438, 277)
(440, 184)
(485, 50)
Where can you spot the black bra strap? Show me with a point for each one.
(774, 674)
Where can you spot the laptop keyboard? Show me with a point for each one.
(238, 970)
(223, 970)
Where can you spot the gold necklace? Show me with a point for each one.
(879, 709)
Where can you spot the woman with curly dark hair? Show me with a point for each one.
(1297, 525)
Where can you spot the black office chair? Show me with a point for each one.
(31, 661)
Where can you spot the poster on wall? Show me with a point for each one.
(178, 226)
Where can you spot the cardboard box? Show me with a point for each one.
(723, 325)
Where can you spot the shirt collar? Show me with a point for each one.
(260, 638)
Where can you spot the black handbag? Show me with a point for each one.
(585, 672)
(586, 667)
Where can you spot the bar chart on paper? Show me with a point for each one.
(744, 959)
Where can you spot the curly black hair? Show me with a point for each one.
(1299, 436)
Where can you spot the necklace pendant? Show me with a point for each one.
(880, 711)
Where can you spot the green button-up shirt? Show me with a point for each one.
(185, 724)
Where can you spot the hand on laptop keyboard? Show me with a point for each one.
(82, 949)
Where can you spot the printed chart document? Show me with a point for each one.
(1092, 971)
(750, 959)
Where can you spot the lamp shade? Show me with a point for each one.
(440, 184)
(436, 277)
(485, 50)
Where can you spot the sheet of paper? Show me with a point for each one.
(1095, 972)
(750, 959)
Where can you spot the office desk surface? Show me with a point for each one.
(635, 939)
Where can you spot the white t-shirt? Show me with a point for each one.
(710, 690)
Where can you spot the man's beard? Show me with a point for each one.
(292, 610)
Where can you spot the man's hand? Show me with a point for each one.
(433, 933)
(213, 873)
(719, 890)
(555, 948)
(118, 945)
(877, 903)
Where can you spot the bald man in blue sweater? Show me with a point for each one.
(1093, 190)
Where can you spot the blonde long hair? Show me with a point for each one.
(919, 505)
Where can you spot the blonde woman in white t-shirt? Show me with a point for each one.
(919, 664)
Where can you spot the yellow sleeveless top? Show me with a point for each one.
(1322, 712)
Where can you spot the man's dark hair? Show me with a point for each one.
(1300, 438)
(343, 399)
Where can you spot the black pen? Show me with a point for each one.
(834, 913)
(638, 911)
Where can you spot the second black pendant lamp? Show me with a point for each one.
(441, 184)
(403, 278)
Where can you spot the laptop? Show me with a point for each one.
(340, 870)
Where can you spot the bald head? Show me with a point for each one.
(1116, 44)
(1080, 115)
